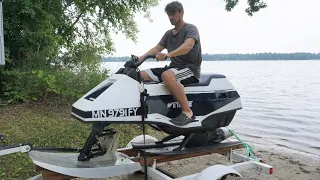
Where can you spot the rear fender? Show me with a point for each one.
(216, 172)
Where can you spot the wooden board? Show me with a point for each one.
(168, 155)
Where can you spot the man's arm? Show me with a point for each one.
(183, 49)
(154, 51)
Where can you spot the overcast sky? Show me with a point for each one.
(284, 26)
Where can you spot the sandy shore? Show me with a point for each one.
(287, 166)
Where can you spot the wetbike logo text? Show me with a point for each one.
(177, 105)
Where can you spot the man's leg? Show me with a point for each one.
(145, 76)
(177, 90)
(153, 74)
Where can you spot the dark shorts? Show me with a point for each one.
(183, 74)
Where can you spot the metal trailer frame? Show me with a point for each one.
(132, 161)
(217, 171)
(242, 162)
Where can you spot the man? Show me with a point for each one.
(184, 50)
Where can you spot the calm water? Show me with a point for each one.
(281, 101)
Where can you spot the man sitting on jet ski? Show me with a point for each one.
(184, 50)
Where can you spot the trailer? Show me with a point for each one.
(139, 157)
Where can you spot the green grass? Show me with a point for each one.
(46, 125)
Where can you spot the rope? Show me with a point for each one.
(249, 150)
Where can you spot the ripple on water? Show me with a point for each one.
(294, 140)
(270, 127)
(277, 127)
(280, 117)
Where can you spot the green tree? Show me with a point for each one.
(254, 5)
(40, 32)
(37, 32)
(55, 47)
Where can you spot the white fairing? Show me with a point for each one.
(120, 102)
(124, 93)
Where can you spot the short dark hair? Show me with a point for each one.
(174, 6)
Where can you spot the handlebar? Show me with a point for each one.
(147, 57)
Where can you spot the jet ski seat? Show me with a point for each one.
(205, 79)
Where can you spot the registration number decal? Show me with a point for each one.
(122, 112)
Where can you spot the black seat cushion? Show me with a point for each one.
(205, 79)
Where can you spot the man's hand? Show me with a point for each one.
(134, 58)
(140, 58)
(162, 56)
(154, 50)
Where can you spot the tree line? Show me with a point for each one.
(237, 56)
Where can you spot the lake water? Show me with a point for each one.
(281, 101)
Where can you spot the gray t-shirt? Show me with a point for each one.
(193, 58)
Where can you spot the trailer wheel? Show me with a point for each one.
(229, 175)
(139, 139)
(224, 177)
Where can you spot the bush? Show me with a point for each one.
(54, 81)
